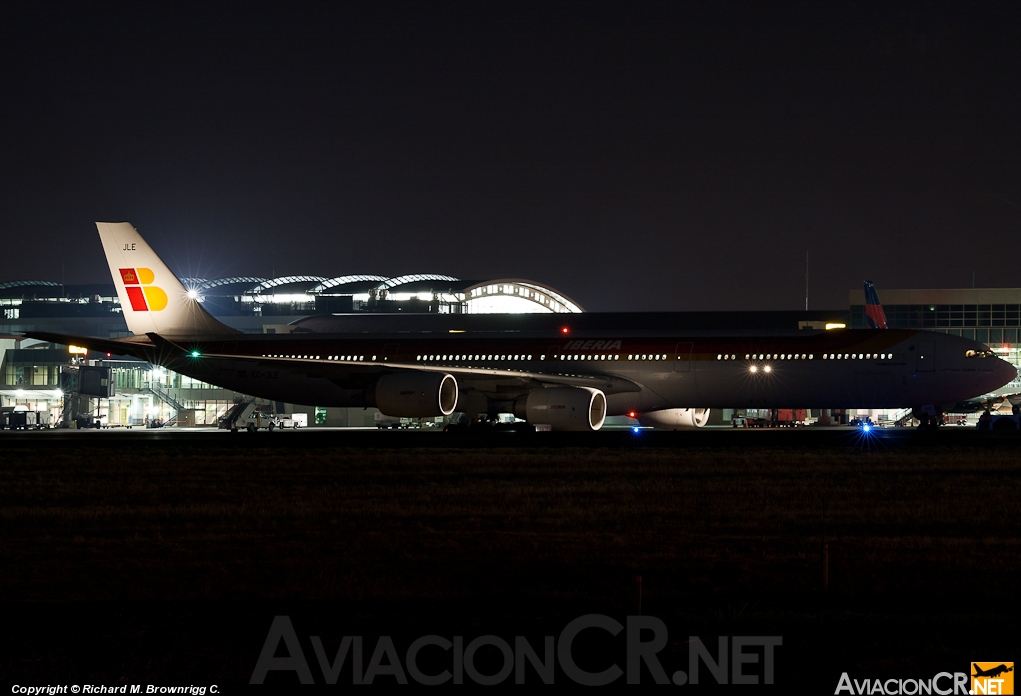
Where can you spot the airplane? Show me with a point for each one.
(992, 672)
(563, 380)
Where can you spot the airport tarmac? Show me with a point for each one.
(839, 437)
(163, 555)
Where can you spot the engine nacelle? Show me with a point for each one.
(564, 408)
(675, 418)
(415, 394)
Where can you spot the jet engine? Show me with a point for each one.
(414, 394)
(675, 418)
(564, 408)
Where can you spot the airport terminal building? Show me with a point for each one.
(33, 375)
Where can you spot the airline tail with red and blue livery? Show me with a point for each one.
(874, 313)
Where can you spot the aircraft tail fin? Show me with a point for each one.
(874, 313)
(152, 298)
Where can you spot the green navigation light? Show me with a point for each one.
(195, 354)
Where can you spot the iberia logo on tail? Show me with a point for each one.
(144, 296)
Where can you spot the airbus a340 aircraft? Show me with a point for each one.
(564, 381)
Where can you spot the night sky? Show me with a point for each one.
(635, 156)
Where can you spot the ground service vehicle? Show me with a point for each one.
(293, 420)
(247, 415)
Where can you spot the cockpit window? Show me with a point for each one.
(979, 354)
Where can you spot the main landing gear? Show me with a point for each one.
(929, 417)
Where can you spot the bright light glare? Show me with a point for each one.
(754, 368)
(767, 368)
(193, 294)
(636, 429)
(563, 330)
(195, 354)
(866, 427)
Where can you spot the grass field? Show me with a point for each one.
(177, 551)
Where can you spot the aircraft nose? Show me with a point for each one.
(1004, 372)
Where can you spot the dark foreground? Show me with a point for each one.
(161, 558)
